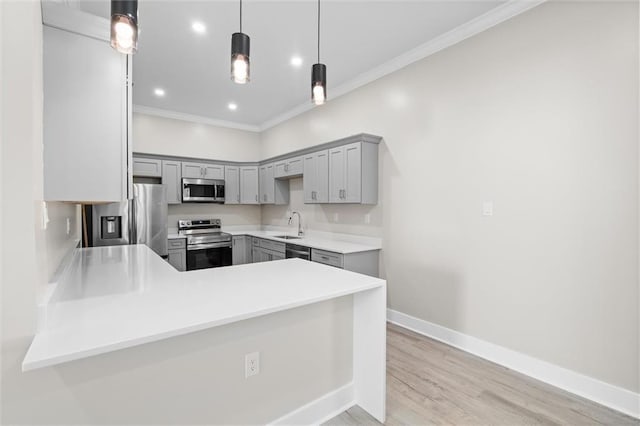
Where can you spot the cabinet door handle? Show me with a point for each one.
(238, 197)
(256, 197)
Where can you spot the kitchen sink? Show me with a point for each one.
(287, 237)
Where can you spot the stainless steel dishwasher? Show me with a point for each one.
(294, 250)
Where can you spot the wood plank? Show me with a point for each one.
(429, 382)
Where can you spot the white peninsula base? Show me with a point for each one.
(115, 301)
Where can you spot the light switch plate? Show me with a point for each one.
(487, 208)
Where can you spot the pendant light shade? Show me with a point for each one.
(124, 26)
(240, 65)
(240, 58)
(319, 83)
(319, 75)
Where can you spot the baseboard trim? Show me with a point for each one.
(322, 409)
(611, 396)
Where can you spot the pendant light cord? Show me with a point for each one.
(240, 15)
(318, 31)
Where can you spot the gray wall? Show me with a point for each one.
(539, 115)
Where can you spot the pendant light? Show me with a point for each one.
(319, 75)
(124, 26)
(240, 55)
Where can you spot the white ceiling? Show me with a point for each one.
(193, 69)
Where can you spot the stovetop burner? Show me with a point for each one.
(201, 231)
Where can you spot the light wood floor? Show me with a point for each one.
(429, 382)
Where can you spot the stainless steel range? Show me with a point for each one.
(207, 245)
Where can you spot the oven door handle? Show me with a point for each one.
(225, 244)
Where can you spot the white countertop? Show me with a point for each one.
(122, 296)
(337, 243)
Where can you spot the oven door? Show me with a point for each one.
(199, 190)
(213, 255)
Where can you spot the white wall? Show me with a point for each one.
(539, 115)
(322, 217)
(229, 214)
(166, 136)
(30, 253)
(197, 378)
(193, 379)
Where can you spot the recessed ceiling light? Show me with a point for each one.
(199, 27)
(296, 61)
(159, 92)
(232, 106)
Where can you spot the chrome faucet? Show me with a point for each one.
(300, 231)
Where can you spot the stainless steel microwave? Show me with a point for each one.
(202, 190)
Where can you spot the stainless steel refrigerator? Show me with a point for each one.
(142, 220)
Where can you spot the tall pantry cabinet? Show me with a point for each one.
(87, 109)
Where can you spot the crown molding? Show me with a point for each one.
(477, 25)
(194, 118)
(65, 15)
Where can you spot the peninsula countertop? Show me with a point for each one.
(117, 297)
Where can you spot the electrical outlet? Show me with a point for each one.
(367, 218)
(251, 364)
(335, 217)
(68, 226)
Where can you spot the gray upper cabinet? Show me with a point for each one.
(86, 118)
(172, 178)
(267, 185)
(147, 167)
(231, 185)
(272, 191)
(202, 170)
(346, 171)
(213, 171)
(289, 167)
(249, 185)
(316, 177)
(241, 185)
(353, 173)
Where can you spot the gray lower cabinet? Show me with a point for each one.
(178, 253)
(365, 262)
(172, 178)
(241, 250)
(266, 250)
